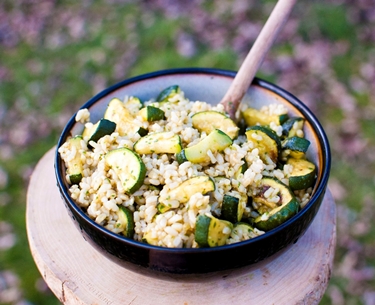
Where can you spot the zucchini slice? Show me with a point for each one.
(148, 239)
(75, 166)
(215, 141)
(303, 174)
(286, 207)
(128, 167)
(126, 221)
(167, 93)
(100, 129)
(242, 169)
(297, 146)
(142, 131)
(133, 104)
(211, 231)
(266, 140)
(133, 101)
(207, 121)
(244, 231)
(256, 117)
(183, 192)
(292, 125)
(118, 113)
(151, 113)
(159, 142)
(232, 207)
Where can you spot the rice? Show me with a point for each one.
(100, 192)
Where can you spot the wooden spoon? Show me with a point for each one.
(255, 57)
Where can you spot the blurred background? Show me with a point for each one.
(56, 54)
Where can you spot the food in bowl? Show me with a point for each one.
(177, 173)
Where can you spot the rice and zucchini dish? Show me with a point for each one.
(177, 173)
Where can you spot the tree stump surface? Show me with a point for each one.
(78, 274)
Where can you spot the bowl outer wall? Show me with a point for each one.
(205, 85)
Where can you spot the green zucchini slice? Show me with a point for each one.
(291, 126)
(183, 192)
(159, 142)
(133, 104)
(142, 131)
(232, 207)
(303, 174)
(256, 117)
(151, 113)
(215, 141)
(242, 169)
(297, 146)
(128, 167)
(118, 113)
(207, 121)
(180, 157)
(75, 166)
(244, 231)
(126, 221)
(278, 212)
(167, 93)
(266, 140)
(211, 231)
(100, 129)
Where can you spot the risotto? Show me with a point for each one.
(178, 173)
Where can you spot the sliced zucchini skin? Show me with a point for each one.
(207, 121)
(128, 166)
(180, 157)
(100, 129)
(159, 143)
(151, 114)
(142, 131)
(232, 208)
(303, 174)
(215, 141)
(297, 146)
(285, 213)
(287, 208)
(167, 93)
(126, 220)
(75, 166)
(202, 230)
(242, 169)
(209, 231)
(288, 130)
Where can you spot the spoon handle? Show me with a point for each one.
(255, 57)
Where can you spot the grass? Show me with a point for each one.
(55, 55)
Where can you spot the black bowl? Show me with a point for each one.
(206, 85)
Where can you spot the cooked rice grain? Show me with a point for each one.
(100, 191)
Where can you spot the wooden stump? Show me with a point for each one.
(78, 274)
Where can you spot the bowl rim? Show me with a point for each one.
(299, 105)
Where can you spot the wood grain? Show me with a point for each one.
(78, 274)
(256, 55)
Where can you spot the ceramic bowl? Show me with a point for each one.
(207, 85)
